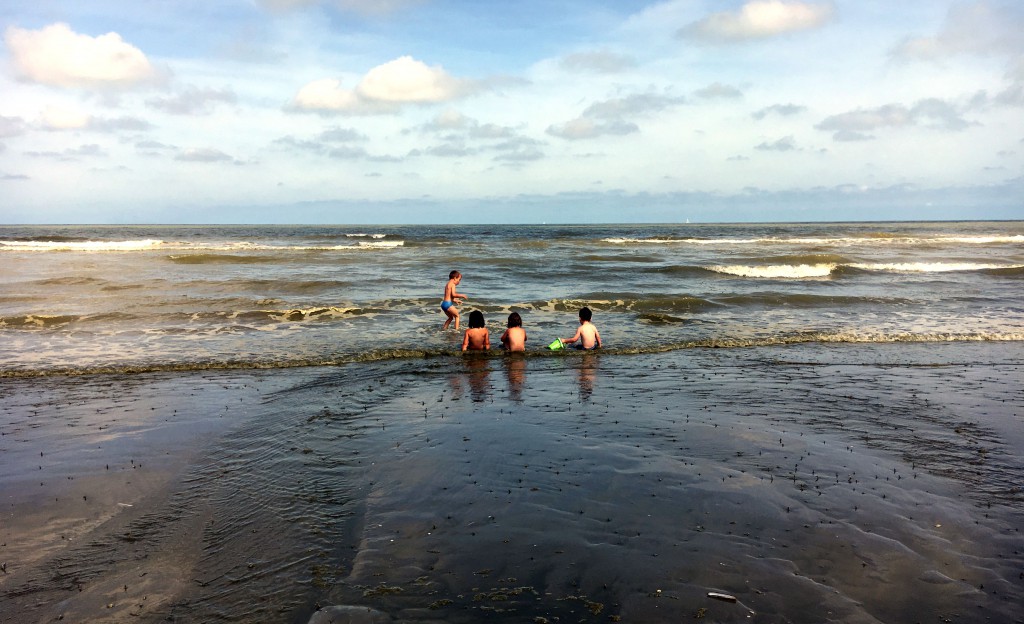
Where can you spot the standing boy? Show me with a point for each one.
(451, 298)
(586, 333)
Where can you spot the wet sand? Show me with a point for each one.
(808, 484)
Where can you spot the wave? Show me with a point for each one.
(876, 238)
(396, 354)
(829, 269)
(149, 244)
(213, 258)
(776, 271)
(177, 322)
(933, 267)
(65, 244)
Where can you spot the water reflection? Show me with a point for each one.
(478, 373)
(515, 373)
(588, 374)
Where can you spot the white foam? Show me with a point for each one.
(382, 244)
(129, 245)
(776, 271)
(931, 267)
(817, 241)
(154, 244)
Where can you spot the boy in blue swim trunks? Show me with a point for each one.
(450, 299)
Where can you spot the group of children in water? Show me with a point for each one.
(477, 338)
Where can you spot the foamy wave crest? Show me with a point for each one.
(365, 235)
(417, 355)
(381, 244)
(874, 240)
(777, 271)
(932, 267)
(297, 314)
(184, 246)
(129, 245)
(979, 240)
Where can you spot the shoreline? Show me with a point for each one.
(858, 483)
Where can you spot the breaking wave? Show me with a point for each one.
(396, 354)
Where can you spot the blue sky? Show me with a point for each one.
(422, 111)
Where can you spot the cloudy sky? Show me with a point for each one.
(356, 111)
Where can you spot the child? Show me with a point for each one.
(450, 299)
(587, 333)
(514, 338)
(477, 338)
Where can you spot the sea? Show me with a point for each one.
(78, 299)
(786, 423)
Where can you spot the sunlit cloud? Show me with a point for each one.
(56, 55)
(62, 118)
(401, 81)
(759, 19)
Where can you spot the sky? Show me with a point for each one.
(567, 111)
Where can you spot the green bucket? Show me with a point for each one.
(556, 344)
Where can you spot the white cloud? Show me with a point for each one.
(979, 28)
(785, 144)
(203, 154)
(584, 128)
(326, 94)
(611, 117)
(408, 80)
(11, 127)
(930, 112)
(63, 118)
(636, 104)
(601, 61)
(401, 81)
(60, 118)
(193, 101)
(784, 110)
(759, 19)
(718, 90)
(364, 7)
(55, 55)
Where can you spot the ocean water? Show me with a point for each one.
(136, 298)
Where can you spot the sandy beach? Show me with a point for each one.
(811, 484)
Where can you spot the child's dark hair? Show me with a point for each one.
(586, 314)
(476, 319)
(514, 320)
(454, 274)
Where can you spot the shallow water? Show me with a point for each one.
(854, 483)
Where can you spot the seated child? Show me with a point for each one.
(514, 338)
(477, 338)
(586, 333)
